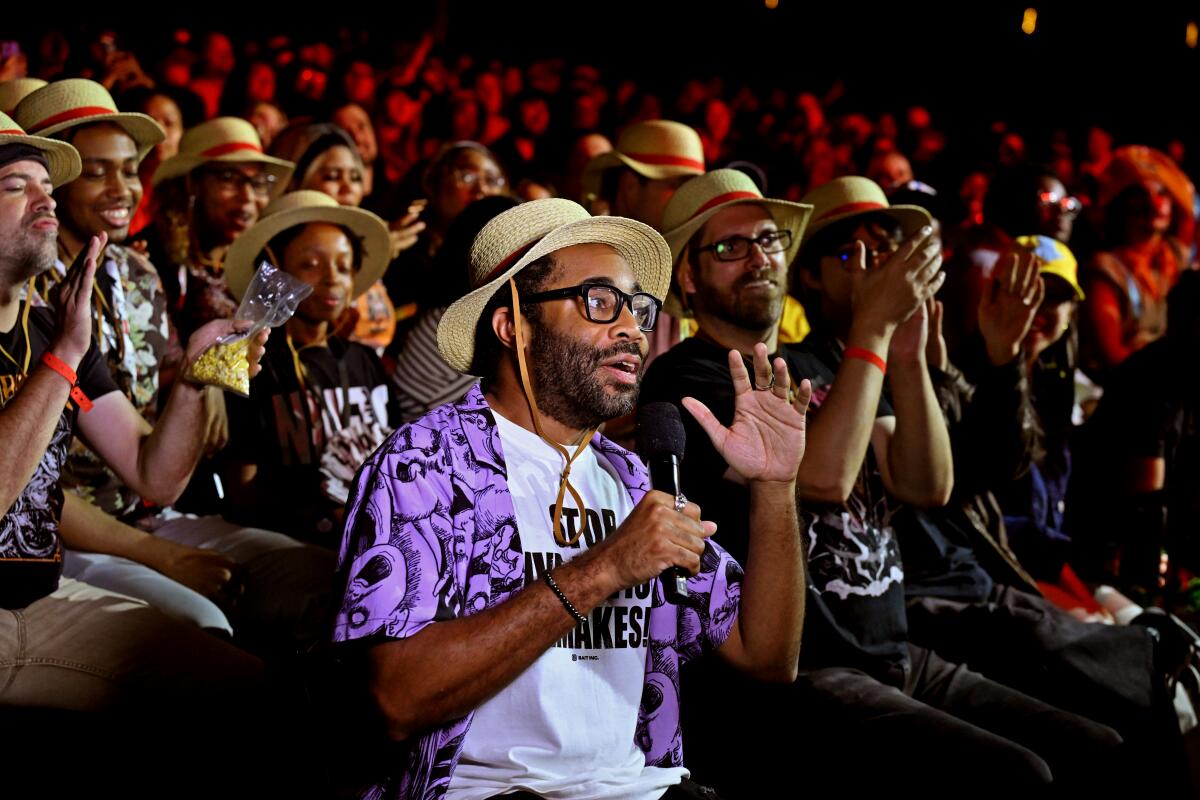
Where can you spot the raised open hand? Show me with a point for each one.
(72, 297)
(936, 354)
(766, 440)
(1009, 303)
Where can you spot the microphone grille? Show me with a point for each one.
(660, 431)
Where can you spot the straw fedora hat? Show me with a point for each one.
(852, 196)
(62, 160)
(654, 149)
(16, 90)
(519, 236)
(698, 200)
(66, 104)
(301, 208)
(227, 140)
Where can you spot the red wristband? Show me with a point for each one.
(866, 355)
(58, 365)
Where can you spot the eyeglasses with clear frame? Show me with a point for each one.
(468, 179)
(602, 303)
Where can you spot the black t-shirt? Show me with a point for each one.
(30, 549)
(285, 430)
(856, 614)
(939, 555)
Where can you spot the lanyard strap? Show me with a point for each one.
(343, 381)
(564, 484)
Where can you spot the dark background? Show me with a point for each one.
(1123, 66)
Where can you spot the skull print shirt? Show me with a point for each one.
(431, 535)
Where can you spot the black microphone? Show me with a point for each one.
(660, 441)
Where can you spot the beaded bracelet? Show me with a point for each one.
(574, 612)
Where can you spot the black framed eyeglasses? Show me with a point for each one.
(735, 248)
(602, 303)
(235, 180)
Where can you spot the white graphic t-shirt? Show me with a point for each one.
(565, 727)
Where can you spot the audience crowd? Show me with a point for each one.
(979, 345)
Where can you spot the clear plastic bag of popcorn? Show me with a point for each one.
(269, 301)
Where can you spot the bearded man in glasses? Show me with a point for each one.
(501, 559)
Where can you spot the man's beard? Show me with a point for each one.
(751, 311)
(566, 382)
(27, 256)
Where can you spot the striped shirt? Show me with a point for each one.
(423, 379)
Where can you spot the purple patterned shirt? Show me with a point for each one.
(431, 535)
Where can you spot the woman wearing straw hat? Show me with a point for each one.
(291, 469)
(210, 192)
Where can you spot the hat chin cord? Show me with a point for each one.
(564, 483)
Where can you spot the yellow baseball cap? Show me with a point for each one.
(1054, 259)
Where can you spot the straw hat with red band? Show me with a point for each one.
(852, 196)
(300, 208)
(62, 160)
(698, 200)
(66, 104)
(654, 149)
(520, 236)
(226, 140)
(14, 91)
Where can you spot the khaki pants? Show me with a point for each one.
(287, 597)
(88, 649)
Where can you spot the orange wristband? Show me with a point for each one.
(58, 365)
(866, 355)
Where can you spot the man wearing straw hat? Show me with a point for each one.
(187, 568)
(731, 249)
(858, 674)
(64, 643)
(636, 179)
(651, 160)
(502, 558)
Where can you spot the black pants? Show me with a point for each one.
(1104, 672)
(949, 728)
(946, 732)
